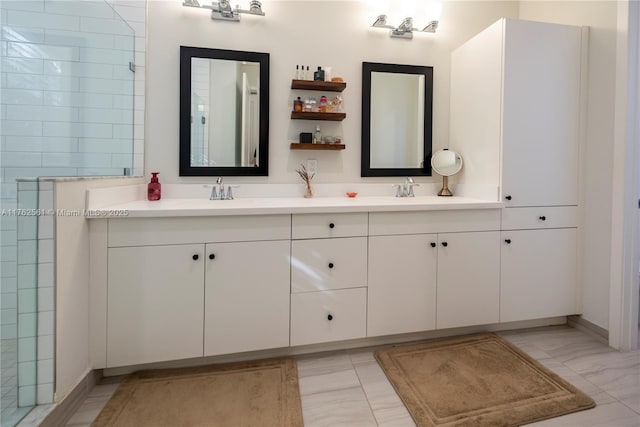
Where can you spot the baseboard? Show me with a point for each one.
(335, 346)
(68, 406)
(592, 329)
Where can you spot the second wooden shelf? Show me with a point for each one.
(307, 146)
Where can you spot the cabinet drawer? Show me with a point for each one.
(322, 264)
(390, 223)
(311, 226)
(318, 317)
(164, 231)
(539, 217)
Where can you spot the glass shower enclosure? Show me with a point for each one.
(66, 104)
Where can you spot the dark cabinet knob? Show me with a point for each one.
(507, 241)
(330, 265)
(433, 244)
(332, 225)
(212, 256)
(445, 244)
(330, 317)
(195, 257)
(543, 218)
(508, 197)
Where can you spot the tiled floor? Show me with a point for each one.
(348, 388)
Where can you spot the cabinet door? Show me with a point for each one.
(402, 284)
(468, 279)
(246, 296)
(541, 113)
(538, 274)
(154, 304)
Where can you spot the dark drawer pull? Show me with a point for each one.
(332, 225)
(195, 257)
(212, 256)
(330, 317)
(507, 241)
(508, 197)
(330, 265)
(445, 244)
(433, 245)
(543, 218)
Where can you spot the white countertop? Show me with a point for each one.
(286, 205)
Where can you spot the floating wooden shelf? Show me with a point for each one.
(318, 85)
(298, 146)
(309, 115)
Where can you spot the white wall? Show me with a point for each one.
(328, 33)
(601, 17)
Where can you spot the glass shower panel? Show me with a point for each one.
(66, 105)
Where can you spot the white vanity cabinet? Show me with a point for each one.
(423, 263)
(328, 277)
(468, 279)
(181, 288)
(538, 263)
(155, 303)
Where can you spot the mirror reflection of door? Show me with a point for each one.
(397, 123)
(224, 112)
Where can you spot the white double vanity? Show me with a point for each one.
(187, 278)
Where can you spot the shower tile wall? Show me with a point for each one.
(67, 110)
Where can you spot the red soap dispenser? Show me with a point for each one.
(153, 190)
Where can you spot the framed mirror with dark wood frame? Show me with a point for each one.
(224, 112)
(397, 104)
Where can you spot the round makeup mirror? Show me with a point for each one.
(446, 162)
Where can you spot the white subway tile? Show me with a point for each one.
(45, 394)
(21, 160)
(28, 198)
(106, 86)
(20, 96)
(106, 115)
(122, 160)
(27, 301)
(12, 173)
(26, 373)
(78, 69)
(27, 325)
(27, 229)
(123, 131)
(8, 253)
(43, 51)
(45, 346)
(78, 160)
(27, 349)
(78, 99)
(140, 59)
(43, 20)
(46, 250)
(80, 39)
(45, 185)
(46, 276)
(42, 113)
(45, 370)
(28, 251)
(40, 82)
(100, 172)
(122, 72)
(21, 128)
(46, 300)
(76, 8)
(45, 199)
(9, 315)
(27, 395)
(131, 13)
(9, 331)
(105, 56)
(30, 5)
(103, 145)
(45, 323)
(41, 144)
(124, 102)
(21, 34)
(46, 227)
(89, 130)
(9, 301)
(125, 43)
(27, 276)
(107, 26)
(22, 65)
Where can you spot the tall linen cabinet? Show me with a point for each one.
(516, 114)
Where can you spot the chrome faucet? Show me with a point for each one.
(406, 189)
(218, 193)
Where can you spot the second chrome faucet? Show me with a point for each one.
(406, 189)
(218, 193)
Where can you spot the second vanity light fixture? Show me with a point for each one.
(222, 9)
(405, 29)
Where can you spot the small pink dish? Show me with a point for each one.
(352, 194)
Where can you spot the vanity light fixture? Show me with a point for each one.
(222, 9)
(405, 29)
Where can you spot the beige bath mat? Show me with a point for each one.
(479, 380)
(263, 393)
